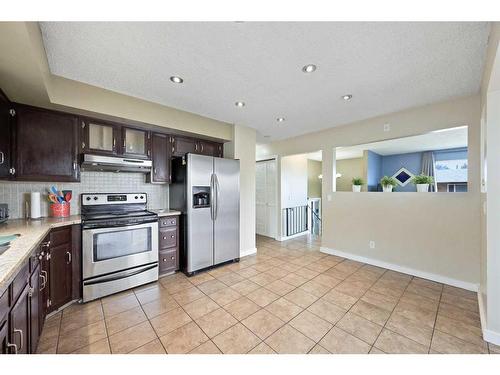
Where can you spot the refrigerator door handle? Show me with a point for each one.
(212, 192)
(216, 211)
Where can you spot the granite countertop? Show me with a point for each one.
(32, 233)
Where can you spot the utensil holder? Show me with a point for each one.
(60, 209)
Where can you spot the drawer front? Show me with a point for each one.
(168, 221)
(168, 261)
(4, 305)
(20, 281)
(60, 236)
(168, 238)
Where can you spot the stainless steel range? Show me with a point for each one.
(119, 243)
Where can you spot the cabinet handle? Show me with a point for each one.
(69, 257)
(83, 145)
(44, 282)
(196, 146)
(164, 238)
(2, 157)
(46, 244)
(9, 345)
(114, 143)
(164, 259)
(172, 258)
(154, 170)
(202, 147)
(74, 165)
(172, 236)
(20, 337)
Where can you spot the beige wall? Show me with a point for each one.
(408, 228)
(349, 168)
(243, 148)
(313, 182)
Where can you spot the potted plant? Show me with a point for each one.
(422, 182)
(357, 182)
(388, 183)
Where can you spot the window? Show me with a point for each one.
(451, 175)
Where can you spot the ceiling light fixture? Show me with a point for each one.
(176, 79)
(347, 97)
(309, 68)
(280, 119)
(239, 104)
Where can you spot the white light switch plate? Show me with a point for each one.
(387, 127)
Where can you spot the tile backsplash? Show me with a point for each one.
(16, 193)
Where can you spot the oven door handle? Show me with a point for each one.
(131, 226)
(119, 275)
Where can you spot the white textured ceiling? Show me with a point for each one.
(436, 140)
(387, 67)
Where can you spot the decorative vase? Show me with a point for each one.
(356, 188)
(387, 189)
(422, 188)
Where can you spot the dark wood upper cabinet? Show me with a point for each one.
(160, 153)
(135, 143)
(5, 136)
(99, 137)
(181, 146)
(209, 148)
(46, 145)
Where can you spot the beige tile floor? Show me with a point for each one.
(289, 298)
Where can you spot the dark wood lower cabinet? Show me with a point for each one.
(4, 336)
(35, 307)
(43, 284)
(60, 276)
(19, 319)
(168, 244)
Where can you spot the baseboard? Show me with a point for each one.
(284, 238)
(488, 335)
(410, 271)
(244, 253)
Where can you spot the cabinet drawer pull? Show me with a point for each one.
(9, 345)
(164, 237)
(21, 344)
(172, 258)
(69, 257)
(164, 259)
(2, 157)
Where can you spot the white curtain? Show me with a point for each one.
(428, 167)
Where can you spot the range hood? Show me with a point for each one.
(115, 164)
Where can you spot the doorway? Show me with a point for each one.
(266, 201)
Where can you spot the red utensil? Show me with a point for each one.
(67, 197)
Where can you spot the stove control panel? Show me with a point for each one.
(113, 198)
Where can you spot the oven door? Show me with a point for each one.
(109, 250)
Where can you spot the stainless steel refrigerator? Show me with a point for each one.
(206, 190)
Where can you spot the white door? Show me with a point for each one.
(265, 182)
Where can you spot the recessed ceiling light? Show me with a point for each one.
(176, 79)
(347, 97)
(239, 104)
(280, 119)
(309, 68)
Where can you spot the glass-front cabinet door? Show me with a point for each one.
(99, 137)
(136, 142)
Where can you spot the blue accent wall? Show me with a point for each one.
(374, 170)
(392, 163)
(451, 154)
